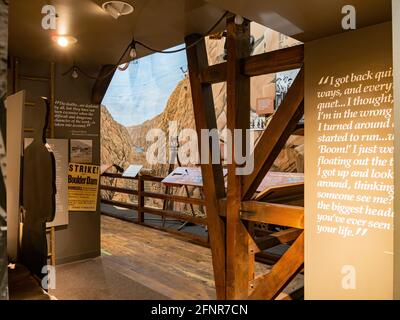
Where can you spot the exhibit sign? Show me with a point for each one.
(132, 171)
(83, 185)
(59, 147)
(78, 119)
(349, 180)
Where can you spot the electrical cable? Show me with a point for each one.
(132, 46)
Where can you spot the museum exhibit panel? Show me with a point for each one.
(199, 150)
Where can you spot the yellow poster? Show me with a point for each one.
(83, 184)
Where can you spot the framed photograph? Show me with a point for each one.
(81, 151)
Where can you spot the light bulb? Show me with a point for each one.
(75, 74)
(62, 42)
(113, 11)
(239, 20)
(133, 53)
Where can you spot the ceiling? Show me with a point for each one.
(164, 23)
(102, 39)
(307, 20)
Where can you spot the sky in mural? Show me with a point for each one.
(142, 91)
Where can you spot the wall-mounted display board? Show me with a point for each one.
(349, 182)
(76, 119)
(59, 147)
(83, 185)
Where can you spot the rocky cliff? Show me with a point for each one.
(123, 146)
(116, 148)
(179, 109)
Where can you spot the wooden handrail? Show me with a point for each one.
(142, 194)
(143, 177)
(118, 189)
(174, 198)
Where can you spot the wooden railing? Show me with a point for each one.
(141, 208)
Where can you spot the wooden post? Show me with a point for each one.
(52, 96)
(239, 269)
(213, 180)
(140, 217)
(53, 245)
(103, 81)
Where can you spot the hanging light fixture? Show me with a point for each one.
(75, 74)
(132, 51)
(117, 9)
(239, 20)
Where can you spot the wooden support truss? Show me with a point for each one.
(232, 213)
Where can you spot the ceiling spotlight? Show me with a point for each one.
(64, 41)
(117, 9)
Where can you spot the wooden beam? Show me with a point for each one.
(283, 192)
(269, 286)
(213, 179)
(277, 238)
(239, 263)
(174, 215)
(103, 81)
(265, 63)
(141, 200)
(275, 135)
(214, 74)
(274, 61)
(279, 214)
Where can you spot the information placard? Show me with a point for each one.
(349, 182)
(83, 184)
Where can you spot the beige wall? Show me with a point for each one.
(349, 251)
(396, 67)
(80, 239)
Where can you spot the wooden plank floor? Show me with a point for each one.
(138, 262)
(158, 260)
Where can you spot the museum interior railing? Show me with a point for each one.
(266, 238)
(140, 207)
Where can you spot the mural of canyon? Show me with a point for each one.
(123, 144)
